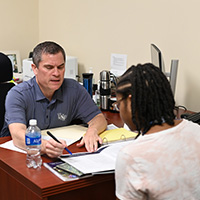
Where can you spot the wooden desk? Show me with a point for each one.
(20, 183)
(113, 118)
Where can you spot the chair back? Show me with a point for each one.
(6, 75)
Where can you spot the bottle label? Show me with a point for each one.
(32, 141)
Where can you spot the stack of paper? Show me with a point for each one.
(101, 162)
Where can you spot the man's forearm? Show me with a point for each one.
(99, 123)
(17, 131)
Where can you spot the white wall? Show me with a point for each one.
(93, 29)
(19, 25)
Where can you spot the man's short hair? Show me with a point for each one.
(47, 47)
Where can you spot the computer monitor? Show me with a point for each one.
(156, 57)
(157, 60)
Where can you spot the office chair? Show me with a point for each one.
(6, 75)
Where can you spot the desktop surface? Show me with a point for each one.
(19, 182)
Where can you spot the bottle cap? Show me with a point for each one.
(33, 122)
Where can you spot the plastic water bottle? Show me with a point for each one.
(33, 145)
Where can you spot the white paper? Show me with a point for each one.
(118, 64)
(11, 146)
(93, 163)
(111, 126)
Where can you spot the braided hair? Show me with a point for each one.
(152, 100)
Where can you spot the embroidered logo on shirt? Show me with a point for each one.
(62, 117)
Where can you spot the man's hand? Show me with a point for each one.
(91, 140)
(54, 149)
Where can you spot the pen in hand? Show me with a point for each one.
(51, 135)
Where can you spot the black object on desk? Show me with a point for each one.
(194, 117)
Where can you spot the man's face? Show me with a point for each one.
(50, 73)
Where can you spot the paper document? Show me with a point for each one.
(69, 132)
(111, 126)
(11, 146)
(118, 64)
(100, 162)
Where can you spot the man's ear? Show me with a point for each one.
(34, 68)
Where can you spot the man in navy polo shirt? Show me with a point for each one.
(53, 101)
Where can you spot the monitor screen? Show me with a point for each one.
(156, 57)
(157, 60)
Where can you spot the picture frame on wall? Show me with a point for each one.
(14, 56)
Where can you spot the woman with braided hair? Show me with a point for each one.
(163, 162)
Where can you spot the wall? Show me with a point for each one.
(93, 29)
(19, 25)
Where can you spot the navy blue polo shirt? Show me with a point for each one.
(26, 101)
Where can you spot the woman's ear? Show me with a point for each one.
(129, 99)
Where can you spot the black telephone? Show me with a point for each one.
(194, 117)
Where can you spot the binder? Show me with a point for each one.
(116, 135)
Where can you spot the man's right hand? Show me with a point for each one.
(52, 148)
